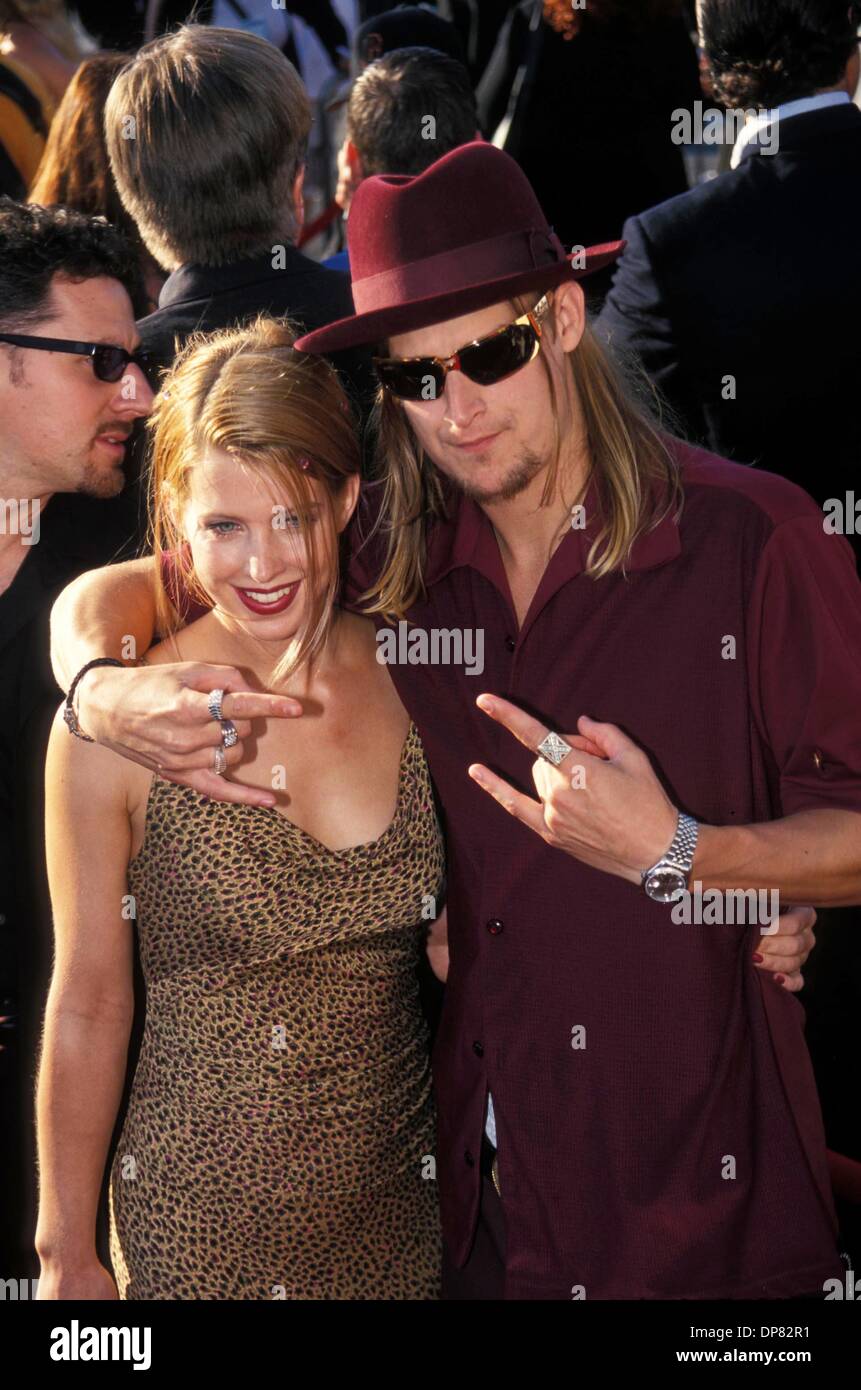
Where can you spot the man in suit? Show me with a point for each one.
(207, 132)
(739, 295)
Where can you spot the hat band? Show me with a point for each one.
(461, 268)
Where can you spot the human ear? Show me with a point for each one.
(347, 500)
(569, 314)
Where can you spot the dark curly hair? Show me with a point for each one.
(764, 52)
(38, 243)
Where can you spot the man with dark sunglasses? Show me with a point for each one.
(71, 389)
(655, 1131)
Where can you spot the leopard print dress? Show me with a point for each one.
(279, 1137)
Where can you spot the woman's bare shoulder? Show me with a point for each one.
(191, 643)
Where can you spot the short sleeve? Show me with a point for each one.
(804, 651)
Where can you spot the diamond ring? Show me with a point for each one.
(220, 762)
(553, 749)
(214, 705)
(229, 736)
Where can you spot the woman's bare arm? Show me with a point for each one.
(89, 1012)
(155, 715)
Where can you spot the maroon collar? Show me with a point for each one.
(467, 537)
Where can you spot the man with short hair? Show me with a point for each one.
(527, 502)
(71, 388)
(207, 131)
(405, 111)
(741, 298)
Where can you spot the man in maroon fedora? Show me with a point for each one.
(626, 1103)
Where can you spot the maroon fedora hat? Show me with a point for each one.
(465, 233)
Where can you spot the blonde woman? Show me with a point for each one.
(280, 1122)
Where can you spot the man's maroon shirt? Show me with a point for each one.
(614, 1157)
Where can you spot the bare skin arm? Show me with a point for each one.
(156, 716)
(89, 1012)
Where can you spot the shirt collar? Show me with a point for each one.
(749, 133)
(467, 537)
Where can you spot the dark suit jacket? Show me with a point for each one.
(756, 276)
(206, 298)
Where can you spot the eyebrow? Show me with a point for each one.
(112, 342)
(227, 516)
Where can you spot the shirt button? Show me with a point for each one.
(478, 1049)
(510, 643)
(468, 1159)
(495, 926)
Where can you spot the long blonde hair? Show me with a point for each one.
(635, 472)
(243, 391)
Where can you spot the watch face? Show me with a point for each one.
(665, 884)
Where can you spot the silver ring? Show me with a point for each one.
(229, 736)
(214, 705)
(219, 764)
(553, 749)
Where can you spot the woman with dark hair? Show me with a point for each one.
(75, 170)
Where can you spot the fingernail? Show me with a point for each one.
(780, 979)
(758, 958)
(484, 702)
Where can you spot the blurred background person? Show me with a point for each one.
(737, 296)
(40, 48)
(405, 26)
(388, 131)
(583, 100)
(75, 171)
(231, 112)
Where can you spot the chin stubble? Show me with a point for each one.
(528, 467)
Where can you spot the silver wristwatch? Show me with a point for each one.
(669, 876)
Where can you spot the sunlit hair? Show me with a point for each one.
(243, 391)
(206, 131)
(74, 171)
(636, 475)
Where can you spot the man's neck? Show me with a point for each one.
(527, 532)
(21, 506)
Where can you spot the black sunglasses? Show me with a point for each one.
(485, 360)
(109, 362)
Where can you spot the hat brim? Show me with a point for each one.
(360, 330)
